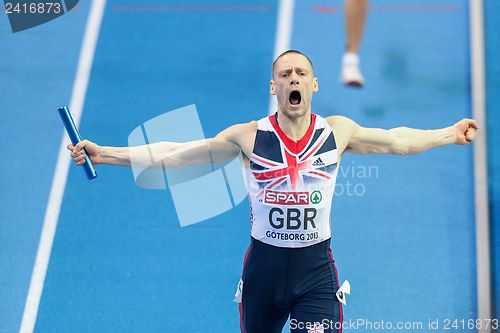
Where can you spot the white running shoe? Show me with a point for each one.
(351, 73)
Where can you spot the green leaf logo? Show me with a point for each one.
(316, 197)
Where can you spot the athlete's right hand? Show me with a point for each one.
(92, 150)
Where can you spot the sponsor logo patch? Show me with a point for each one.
(318, 162)
(286, 198)
(316, 197)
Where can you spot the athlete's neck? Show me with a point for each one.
(294, 128)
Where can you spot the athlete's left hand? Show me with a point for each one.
(465, 131)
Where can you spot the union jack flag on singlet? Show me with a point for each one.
(291, 183)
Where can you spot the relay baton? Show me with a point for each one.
(74, 136)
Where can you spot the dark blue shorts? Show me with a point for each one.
(297, 282)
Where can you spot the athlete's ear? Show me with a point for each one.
(315, 84)
(272, 88)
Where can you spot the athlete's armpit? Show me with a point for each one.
(241, 135)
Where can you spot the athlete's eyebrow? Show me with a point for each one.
(297, 69)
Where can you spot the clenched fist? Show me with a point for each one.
(465, 131)
(92, 150)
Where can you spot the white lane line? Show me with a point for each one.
(480, 163)
(61, 171)
(283, 38)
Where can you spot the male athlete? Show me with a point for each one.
(291, 160)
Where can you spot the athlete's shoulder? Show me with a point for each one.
(338, 120)
(239, 129)
(343, 128)
(250, 126)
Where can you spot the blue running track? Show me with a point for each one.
(403, 227)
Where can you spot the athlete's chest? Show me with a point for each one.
(276, 165)
(271, 147)
(268, 143)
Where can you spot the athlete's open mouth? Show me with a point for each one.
(295, 97)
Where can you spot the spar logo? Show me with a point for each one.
(316, 197)
(286, 198)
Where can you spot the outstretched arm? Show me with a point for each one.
(404, 140)
(164, 154)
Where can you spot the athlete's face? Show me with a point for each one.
(293, 84)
